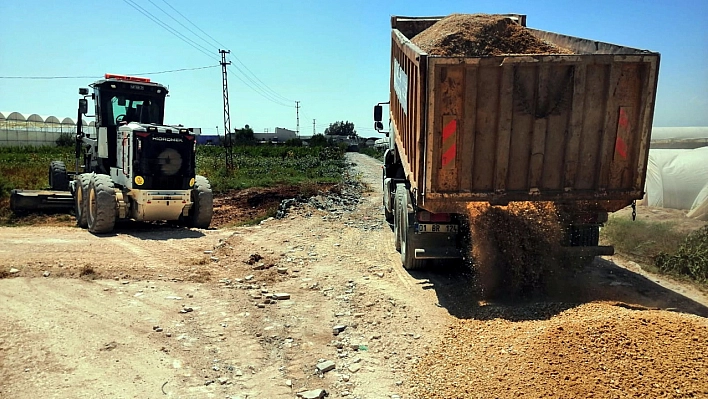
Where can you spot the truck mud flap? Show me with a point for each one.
(438, 253)
(434, 246)
(40, 201)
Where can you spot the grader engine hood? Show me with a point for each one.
(163, 156)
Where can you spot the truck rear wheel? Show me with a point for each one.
(58, 178)
(202, 204)
(410, 262)
(81, 195)
(101, 204)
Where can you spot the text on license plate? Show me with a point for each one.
(437, 228)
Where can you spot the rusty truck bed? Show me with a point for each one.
(523, 127)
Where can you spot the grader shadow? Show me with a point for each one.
(156, 231)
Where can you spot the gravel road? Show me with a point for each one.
(318, 301)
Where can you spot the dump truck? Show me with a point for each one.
(130, 166)
(571, 128)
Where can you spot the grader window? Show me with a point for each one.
(134, 110)
(121, 109)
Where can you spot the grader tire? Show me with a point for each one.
(101, 205)
(202, 204)
(58, 178)
(81, 196)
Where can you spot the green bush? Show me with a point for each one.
(66, 140)
(294, 142)
(5, 187)
(641, 239)
(28, 167)
(373, 152)
(691, 258)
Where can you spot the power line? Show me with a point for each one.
(264, 87)
(193, 24)
(258, 84)
(183, 25)
(98, 77)
(177, 70)
(253, 85)
(168, 28)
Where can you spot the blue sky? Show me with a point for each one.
(331, 56)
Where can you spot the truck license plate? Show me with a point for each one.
(436, 228)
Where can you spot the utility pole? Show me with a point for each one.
(297, 112)
(228, 145)
(313, 127)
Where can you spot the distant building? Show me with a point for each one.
(280, 135)
(208, 139)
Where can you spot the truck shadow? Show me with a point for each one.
(457, 291)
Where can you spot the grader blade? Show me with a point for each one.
(40, 201)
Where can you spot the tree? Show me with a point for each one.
(244, 136)
(294, 142)
(318, 140)
(341, 129)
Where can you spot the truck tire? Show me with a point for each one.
(202, 204)
(58, 178)
(101, 204)
(81, 195)
(407, 231)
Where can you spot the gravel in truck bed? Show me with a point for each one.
(479, 35)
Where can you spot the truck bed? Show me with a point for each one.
(565, 128)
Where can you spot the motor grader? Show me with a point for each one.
(129, 166)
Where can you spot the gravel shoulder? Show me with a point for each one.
(155, 311)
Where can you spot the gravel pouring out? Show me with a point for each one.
(596, 350)
(514, 247)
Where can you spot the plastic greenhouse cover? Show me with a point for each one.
(679, 179)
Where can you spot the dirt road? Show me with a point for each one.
(250, 312)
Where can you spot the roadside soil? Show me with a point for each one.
(156, 311)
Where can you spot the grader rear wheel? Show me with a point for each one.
(58, 178)
(81, 199)
(202, 204)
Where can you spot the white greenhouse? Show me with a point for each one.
(17, 129)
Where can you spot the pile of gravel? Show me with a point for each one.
(344, 197)
(600, 350)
